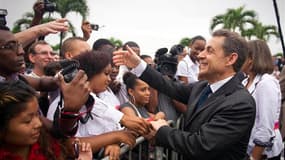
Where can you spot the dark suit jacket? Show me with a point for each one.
(218, 130)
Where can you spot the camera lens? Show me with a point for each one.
(95, 27)
(3, 14)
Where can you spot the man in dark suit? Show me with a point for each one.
(219, 128)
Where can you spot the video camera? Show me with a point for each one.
(3, 14)
(167, 62)
(68, 69)
(49, 6)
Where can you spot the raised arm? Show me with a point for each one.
(29, 35)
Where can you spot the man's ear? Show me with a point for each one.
(68, 55)
(232, 59)
(32, 58)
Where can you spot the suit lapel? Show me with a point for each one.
(212, 101)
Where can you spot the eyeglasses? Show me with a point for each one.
(13, 45)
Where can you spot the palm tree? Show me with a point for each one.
(63, 7)
(185, 41)
(116, 42)
(234, 19)
(261, 31)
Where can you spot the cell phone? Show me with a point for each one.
(94, 27)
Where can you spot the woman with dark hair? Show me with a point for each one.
(21, 133)
(139, 95)
(265, 141)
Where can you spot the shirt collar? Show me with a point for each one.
(215, 86)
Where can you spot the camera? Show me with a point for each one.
(68, 69)
(49, 6)
(167, 62)
(3, 14)
(94, 27)
(69, 72)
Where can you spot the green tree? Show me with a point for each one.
(185, 41)
(234, 19)
(116, 42)
(63, 7)
(261, 31)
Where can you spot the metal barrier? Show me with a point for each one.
(160, 153)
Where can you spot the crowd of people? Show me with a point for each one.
(89, 102)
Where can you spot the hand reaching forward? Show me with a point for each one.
(127, 137)
(53, 27)
(128, 58)
(159, 123)
(136, 124)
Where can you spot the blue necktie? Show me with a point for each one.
(205, 94)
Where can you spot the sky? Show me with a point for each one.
(155, 24)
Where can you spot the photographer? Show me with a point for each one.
(167, 66)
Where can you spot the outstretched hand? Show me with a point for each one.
(128, 58)
(52, 27)
(159, 123)
(136, 124)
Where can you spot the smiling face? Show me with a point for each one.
(214, 64)
(42, 56)
(197, 47)
(11, 53)
(24, 128)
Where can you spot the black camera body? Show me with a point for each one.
(94, 27)
(166, 62)
(68, 69)
(49, 6)
(69, 72)
(3, 14)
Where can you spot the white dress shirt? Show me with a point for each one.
(105, 118)
(265, 90)
(187, 68)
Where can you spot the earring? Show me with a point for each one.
(133, 99)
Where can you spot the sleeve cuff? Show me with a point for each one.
(263, 144)
(161, 135)
(114, 114)
(139, 69)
